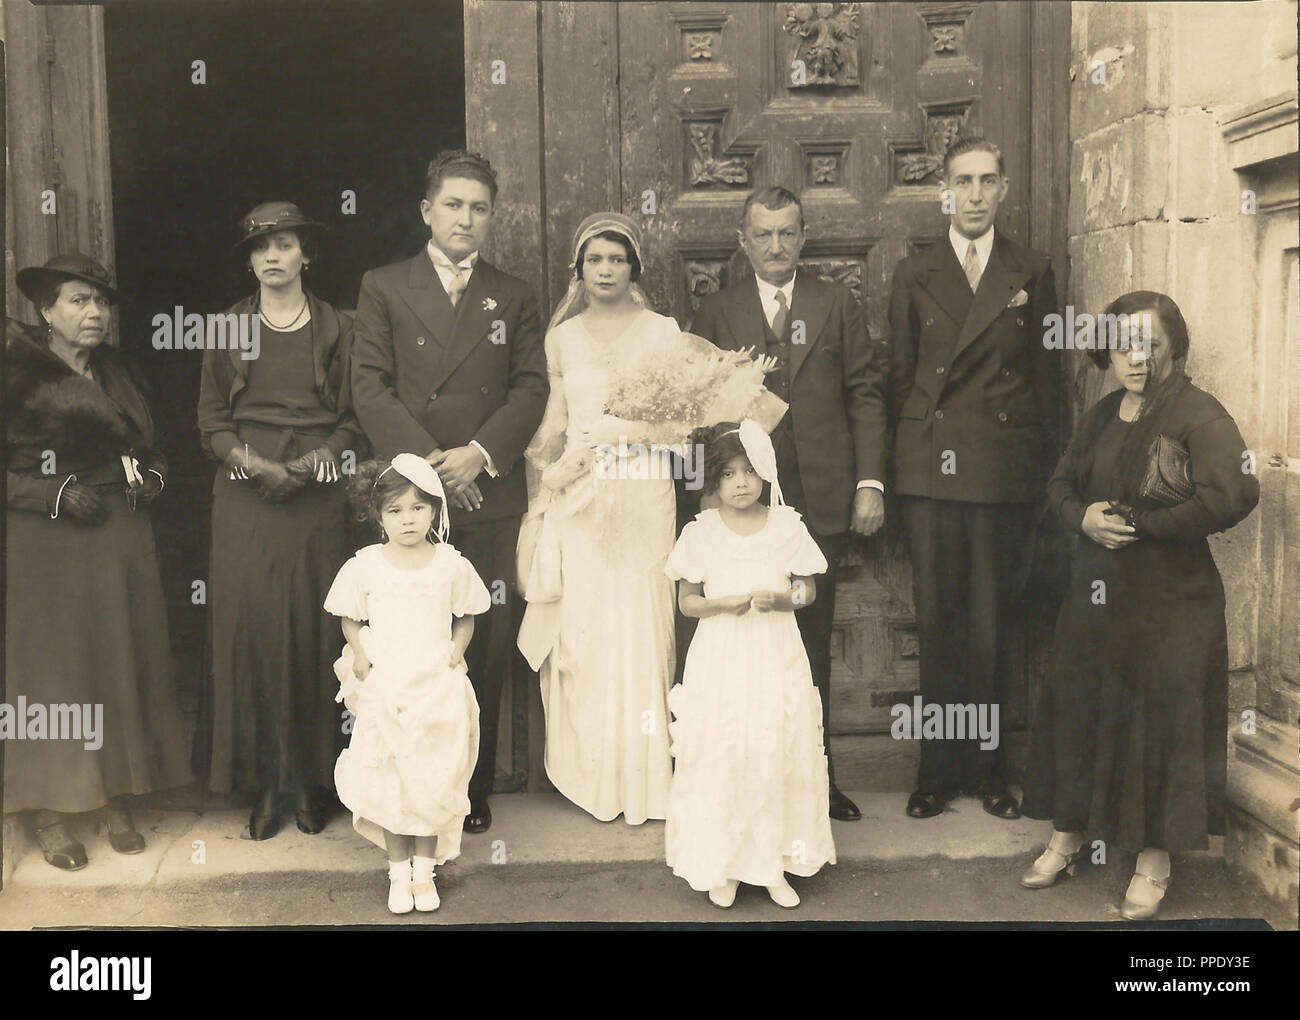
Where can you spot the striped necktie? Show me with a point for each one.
(458, 284)
(971, 267)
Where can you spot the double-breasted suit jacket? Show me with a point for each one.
(970, 375)
(837, 402)
(429, 375)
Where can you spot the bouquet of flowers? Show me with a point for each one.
(696, 384)
(668, 389)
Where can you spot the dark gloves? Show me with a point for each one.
(82, 503)
(318, 464)
(150, 489)
(274, 480)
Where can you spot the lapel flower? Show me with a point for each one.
(1021, 298)
(489, 304)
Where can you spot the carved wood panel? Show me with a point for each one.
(852, 106)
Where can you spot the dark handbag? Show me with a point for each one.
(1166, 481)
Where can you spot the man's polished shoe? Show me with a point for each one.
(313, 810)
(925, 805)
(479, 818)
(843, 809)
(1000, 805)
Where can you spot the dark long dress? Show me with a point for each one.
(86, 623)
(1129, 738)
(270, 714)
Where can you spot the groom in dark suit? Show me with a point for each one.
(448, 364)
(830, 446)
(973, 397)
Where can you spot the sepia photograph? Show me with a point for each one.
(652, 465)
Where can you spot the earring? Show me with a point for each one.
(383, 535)
(432, 536)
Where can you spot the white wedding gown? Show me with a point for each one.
(607, 641)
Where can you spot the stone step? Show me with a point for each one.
(1276, 741)
(529, 831)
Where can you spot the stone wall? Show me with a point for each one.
(1155, 204)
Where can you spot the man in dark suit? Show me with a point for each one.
(973, 397)
(448, 364)
(830, 446)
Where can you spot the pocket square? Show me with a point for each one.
(1021, 298)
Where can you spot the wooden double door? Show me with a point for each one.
(673, 112)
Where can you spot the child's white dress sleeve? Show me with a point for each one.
(347, 598)
(803, 558)
(469, 596)
(685, 562)
(347, 595)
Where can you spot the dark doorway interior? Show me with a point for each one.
(303, 101)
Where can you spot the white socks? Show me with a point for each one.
(424, 891)
(400, 899)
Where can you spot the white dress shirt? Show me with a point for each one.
(961, 244)
(767, 296)
(442, 265)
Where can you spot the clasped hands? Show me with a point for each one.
(457, 469)
(277, 481)
(763, 601)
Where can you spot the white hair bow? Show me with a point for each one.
(762, 455)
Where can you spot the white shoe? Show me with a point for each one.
(423, 889)
(724, 895)
(783, 894)
(400, 900)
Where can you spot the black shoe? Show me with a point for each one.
(843, 809)
(264, 822)
(1001, 805)
(122, 834)
(313, 810)
(925, 805)
(479, 818)
(59, 848)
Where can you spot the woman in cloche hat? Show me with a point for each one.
(90, 718)
(281, 426)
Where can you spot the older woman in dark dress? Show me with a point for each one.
(1129, 744)
(86, 637)
(282, 426)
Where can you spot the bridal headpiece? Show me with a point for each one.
(575, 299)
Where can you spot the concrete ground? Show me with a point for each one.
(545, 860)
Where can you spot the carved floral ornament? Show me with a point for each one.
(941, 130)
(706, 167)
(703, 277)
(825, 169)
(847, 272)
(699, 45)
(826, 41)
(944, 38)
(708, 276)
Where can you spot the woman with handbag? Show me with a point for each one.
(1128, 742)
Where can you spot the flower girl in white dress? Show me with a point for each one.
(749, 793)
(407, 607)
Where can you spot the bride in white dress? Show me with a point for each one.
(599, 622)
